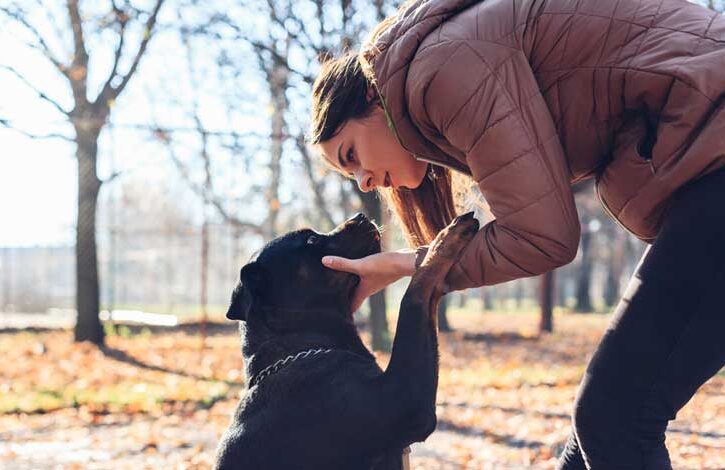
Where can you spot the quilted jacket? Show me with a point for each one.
(530, 96)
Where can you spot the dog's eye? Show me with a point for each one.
(313, 240)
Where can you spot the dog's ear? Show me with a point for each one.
(251, 278)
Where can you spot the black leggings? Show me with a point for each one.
(666, 338)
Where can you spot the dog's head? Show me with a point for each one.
(288, 272)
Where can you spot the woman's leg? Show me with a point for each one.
(664, 341)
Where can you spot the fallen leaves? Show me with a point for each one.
(159, 401)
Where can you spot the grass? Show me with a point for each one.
(126, 396)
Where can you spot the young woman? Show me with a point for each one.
(527, 97)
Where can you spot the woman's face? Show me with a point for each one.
(367, 150)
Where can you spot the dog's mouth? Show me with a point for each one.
(356, 238)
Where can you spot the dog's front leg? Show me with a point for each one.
(413, 369)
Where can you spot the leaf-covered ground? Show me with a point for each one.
(158, 400)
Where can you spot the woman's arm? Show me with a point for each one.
(483, 98)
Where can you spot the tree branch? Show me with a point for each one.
(316, 186)
(238, 35)
(6, 123)
(78, 72)
(112, 177)
(212, 133)
(206, 197)
(122, 20)
(43, 46)
(34, 88)
(150, 23)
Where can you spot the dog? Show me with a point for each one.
(316, 398)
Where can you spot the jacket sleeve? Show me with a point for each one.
(484, 100)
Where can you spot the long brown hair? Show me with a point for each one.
(339, 94)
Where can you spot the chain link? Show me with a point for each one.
(269, 370)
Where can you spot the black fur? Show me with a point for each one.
(337, 410)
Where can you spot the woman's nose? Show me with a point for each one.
(364, 180)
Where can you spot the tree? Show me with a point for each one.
(584, 280)
(547, 289)
(88, 117)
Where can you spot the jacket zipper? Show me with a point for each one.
(436, 162)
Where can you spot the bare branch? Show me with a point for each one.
(112, 177)
(205, 196)
(78, 72)
(6, 123)
(77, 26)
(289, 16)
(53, 22)
(279, 59)
(212, 133)
(316, 186)
(42, 44)
(148, 30)
(240, 35)
(122, 19)
(34, 88)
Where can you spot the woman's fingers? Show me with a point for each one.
(340, 264)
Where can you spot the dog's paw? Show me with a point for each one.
(448, 245)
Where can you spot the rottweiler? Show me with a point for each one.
(316, 398)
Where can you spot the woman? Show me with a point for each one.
(528, 97)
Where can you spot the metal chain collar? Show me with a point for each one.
(269, 370)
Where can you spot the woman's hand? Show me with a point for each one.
(375, 271)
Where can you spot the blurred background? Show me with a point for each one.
(149, 148)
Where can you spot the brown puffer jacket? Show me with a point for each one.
(530, 96)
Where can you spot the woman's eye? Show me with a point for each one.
(349, 155)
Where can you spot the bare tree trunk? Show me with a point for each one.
(443, 324)
(379, 323)
(519, 293)
(378, 307)
(615, 267)
(583, 299)
(88, 326)
(547, 302)
(487, 294)
(278, 85)
(378, 319)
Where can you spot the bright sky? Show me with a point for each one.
(38, 177)
(38, 193)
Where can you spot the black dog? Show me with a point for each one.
(316, 398)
